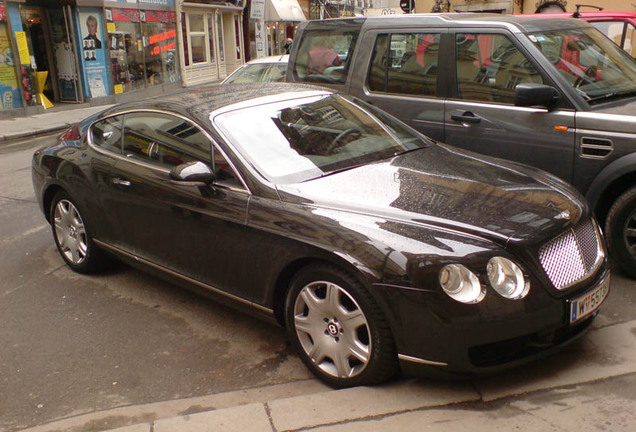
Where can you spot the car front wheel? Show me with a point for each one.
(338, 329)
(71, 235)
(620, 230)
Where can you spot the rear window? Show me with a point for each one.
(324, 55)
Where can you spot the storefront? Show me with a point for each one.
(281, 17)
(43, 34)
(142, 42)
(211, 37)
(10, 97)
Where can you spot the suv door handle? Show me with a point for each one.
(467, 117)
(121, 182)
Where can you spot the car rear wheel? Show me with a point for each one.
(71, 235)
(338, 329)
(620, 230)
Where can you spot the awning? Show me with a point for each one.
(283, 10)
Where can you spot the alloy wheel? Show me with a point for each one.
(70, 232)
(332, 329)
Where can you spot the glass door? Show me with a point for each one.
(64, 54)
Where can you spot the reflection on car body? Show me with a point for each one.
(378, 249)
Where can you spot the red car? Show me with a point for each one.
(620, 26)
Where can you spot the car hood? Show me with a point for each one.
(451, 188)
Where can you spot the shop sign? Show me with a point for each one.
(167, 17)
(150, 2)
(128, 15)
(3, 12)
(257, 11)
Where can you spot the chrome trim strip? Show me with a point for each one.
(421, 361)
(233, 297)
(606, 134)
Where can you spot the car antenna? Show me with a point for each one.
(577, 13)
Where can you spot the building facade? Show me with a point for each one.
(104, 51)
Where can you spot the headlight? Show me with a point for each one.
(461, 284)
(507, 278)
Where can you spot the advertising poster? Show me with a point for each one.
(93, 51)
(9, 92)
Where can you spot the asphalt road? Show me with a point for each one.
(72, 344)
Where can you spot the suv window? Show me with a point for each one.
(405, 63)
(598, 69)
(324, 55)
(164, 140)
(489, 67)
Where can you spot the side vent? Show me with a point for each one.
(596, 147)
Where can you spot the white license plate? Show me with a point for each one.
(587, 304)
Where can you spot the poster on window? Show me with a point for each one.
(93, 50)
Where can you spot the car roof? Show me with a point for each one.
(525, 23)
(281, 58)
(198, 103)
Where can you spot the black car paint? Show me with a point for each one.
(279, 230)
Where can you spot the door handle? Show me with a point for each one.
(467, 117)
(121, 182)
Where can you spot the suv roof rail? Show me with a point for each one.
(577, 13)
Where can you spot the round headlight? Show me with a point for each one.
(507, 278)
(461, 284)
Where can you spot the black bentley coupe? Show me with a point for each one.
(378, 249)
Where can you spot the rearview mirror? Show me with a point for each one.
(196, 171)
(532, 94)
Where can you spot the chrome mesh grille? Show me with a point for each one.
(573, 255)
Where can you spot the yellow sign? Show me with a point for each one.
(23, 48)
(111, 27)
(119, 88)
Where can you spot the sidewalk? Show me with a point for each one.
(49, 121)
(570, 392)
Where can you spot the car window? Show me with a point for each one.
(489, 67)
(323, 55)
(405, 64)
(615, 29)
(163, 139)
(106, 134)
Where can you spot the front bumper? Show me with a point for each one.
(436, 336)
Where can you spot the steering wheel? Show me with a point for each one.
(340, 136)
(589, 74)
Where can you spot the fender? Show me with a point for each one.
(613, 171)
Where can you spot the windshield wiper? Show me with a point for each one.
(613, 95)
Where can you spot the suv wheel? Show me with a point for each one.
(620, 230)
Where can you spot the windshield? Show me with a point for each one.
(258, 72)
(597, 68)
(301, 139)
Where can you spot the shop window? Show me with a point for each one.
(211, 39)
(219, 24)
(126, 43)
(160, 40)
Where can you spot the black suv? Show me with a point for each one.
(550, 92)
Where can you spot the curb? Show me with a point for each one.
(309, 405)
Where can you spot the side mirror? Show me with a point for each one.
(531, 94)
(196, 171)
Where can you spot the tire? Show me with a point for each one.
(72, 237)
(620, 230)
(338, 329)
